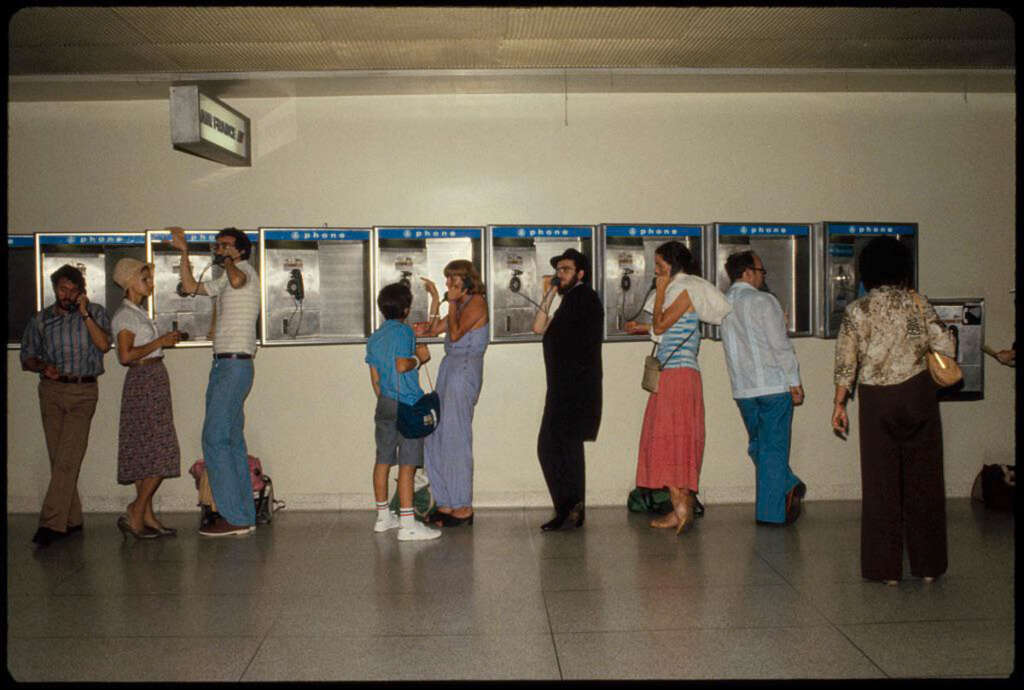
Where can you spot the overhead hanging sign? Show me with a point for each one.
(208, 128)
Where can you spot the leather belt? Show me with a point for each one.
(144, 362)
(232, 355)
(75, 379)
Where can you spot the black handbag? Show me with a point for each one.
(422, 417)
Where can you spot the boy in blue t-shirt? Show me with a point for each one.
(394, 358)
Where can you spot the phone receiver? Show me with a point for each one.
(515, 284)
(180, 289)
(555, 282)
(295, 287)
(218, 259)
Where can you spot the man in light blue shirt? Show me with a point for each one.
(765, 380)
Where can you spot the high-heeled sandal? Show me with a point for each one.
(686, 518)
(162, 531)
(125, 525)
(449, 520)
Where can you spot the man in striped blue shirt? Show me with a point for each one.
(65, 344)
(765, 380)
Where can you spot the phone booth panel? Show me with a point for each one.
(838, 281)
(627, 256)
(965, 319)
(785, 251)
(22, 284)
(95, 254)
(316, 285)
(519, 256)
(407, 254)
(174, 309)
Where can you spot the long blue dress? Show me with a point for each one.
(448, 452)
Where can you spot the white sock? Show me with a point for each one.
(382, 510)
(406, 517)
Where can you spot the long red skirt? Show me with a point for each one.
(672, 438)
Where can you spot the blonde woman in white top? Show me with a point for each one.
(147, 445)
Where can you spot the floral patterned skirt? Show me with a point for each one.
(147, 445)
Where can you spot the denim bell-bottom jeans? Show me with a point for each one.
(224, 449)
(769, 419)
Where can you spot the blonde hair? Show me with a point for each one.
(464, 269)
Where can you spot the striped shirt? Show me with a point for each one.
(237, 311)
(63, 339)
(686, 355)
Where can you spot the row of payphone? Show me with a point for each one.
(319, 284)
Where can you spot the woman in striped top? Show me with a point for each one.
(672, 437)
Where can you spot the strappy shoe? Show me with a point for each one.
(125, 525)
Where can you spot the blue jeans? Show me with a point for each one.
(224, 449)
(769, 419)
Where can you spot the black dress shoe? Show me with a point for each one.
(577, 515)
(45, 536)
(74, 529)
(555, 522)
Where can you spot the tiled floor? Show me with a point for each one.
(319, 596)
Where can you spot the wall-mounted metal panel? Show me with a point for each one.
(95, 254)
(785, 250)
(171, 306)
(627, 258)
(965, 318)
(518, 256)
(22, 285)
(407, 254)
(837, 281)
(316, 284)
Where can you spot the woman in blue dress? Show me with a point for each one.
(448, 452)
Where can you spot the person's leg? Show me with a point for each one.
(775, 420)
(924, 497)
(435, 465)
(62, 507)
(137, 509)
(229, 474)
(149, 517)
(881, 536)
(552, 456)
(750, 414)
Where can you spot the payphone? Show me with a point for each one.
(316, 285)
(965, 319)
(22, 279)
(95, 254)
(518, 258)
(785, 250)
(406, 254)
(173, 307)
(837, 281)
(627, 255)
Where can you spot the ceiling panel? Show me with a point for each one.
(103, 44)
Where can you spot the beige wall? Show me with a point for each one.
(942, 160)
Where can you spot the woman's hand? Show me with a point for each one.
(170, 339)
(421, 329)
(661, 282)
(635, 328)
(430, 287)
(840, 422)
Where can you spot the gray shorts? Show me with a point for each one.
(392, 447)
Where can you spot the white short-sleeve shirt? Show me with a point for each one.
(237, 311)
(131, 317)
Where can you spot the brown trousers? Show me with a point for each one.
(902, 480)
(67, 410)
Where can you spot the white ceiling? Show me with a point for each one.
(74, 53)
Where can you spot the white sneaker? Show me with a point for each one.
(384, 524)
(417, 532)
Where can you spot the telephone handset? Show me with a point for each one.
(295, 286)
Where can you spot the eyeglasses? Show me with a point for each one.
(763, 272)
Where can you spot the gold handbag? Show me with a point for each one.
(944, 370)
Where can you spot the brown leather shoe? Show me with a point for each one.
(793, 503)
(222, 528)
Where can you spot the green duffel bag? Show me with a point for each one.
(658, 501)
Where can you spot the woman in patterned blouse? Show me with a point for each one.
(881, 346)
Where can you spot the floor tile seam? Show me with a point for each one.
(817, 625)
(974, 619)
(863, 653)
(551, 636)
(662, 588)
(408, 635)
(92, 635)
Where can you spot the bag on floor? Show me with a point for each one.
(657, 501)
(996, 487)
(422, 498)
(262, 489)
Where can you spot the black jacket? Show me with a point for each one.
(572, 361)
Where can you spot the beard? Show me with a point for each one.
(565, 287)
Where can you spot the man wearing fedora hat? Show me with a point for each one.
(65, 343)
(572, 363)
